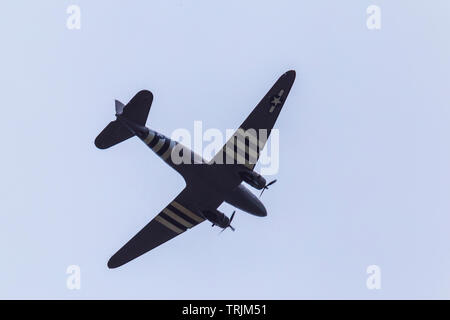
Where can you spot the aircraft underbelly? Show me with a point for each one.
(215, 184)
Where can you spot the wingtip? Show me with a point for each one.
(146, 93)
(98, 143)
(288, 75)
(112, 264)
(291, 73)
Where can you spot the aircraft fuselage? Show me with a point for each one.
(195, 170)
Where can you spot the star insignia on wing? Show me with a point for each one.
(274, 102)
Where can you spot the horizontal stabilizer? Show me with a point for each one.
(113, 134)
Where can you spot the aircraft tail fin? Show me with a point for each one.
(138, 108)
(136, 111)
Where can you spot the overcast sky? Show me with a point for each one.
(364, 175)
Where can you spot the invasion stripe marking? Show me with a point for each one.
(164, 147)
(236, 156)
(168, 224)
(177, 218)
(172, 221)
(241, 153)
(251, 151)
(153, 142)
(182, 215)
(186, 211)
(149, 138)
(252, 138)
(159, 145)
(169, 151)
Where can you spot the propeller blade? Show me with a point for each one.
(229, 223)
(267, 186)
(232, 216)
(262, 191)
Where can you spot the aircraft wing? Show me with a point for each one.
(173, 220)
(244, 147)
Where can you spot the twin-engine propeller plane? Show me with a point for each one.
(208, 184)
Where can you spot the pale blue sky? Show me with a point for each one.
(364, 165)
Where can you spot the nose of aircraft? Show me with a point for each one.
(260, 210)
(256, 207)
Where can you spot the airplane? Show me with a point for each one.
(208, 183)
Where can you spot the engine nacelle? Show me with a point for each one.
(254, 179)
(216, 217)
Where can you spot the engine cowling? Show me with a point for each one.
(254, 179)
(216, 217)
